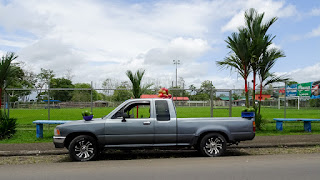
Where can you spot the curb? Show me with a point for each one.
(33, 153)
(64, 151)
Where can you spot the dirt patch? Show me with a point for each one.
(157, 154)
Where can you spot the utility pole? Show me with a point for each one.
(176, 62)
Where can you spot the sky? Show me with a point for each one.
(95, 40)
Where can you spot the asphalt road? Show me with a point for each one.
(289, 166)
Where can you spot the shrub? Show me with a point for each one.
(259, 121)
(7, 126)
(314, 102)
(258, 118)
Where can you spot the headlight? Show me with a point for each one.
(56, 132)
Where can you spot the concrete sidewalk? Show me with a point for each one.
(257, 142)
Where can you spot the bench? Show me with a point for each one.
(40, 123)
(306, 122)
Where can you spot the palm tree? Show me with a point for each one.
(258, 38)
(6, 70)
(268, 60)
(239, 59)
(135, 79)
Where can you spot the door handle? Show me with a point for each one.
(147, 123)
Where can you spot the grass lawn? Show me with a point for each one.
(26, 131)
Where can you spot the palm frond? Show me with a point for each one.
(5, 67)
(272, 78)
(136, 82)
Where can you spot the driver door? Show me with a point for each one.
(132, 125)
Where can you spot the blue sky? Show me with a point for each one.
(95, 40)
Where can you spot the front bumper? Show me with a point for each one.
(58, 141)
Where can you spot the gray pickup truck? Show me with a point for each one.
(151, 123)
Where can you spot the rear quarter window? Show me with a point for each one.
(162, 110)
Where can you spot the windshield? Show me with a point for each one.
(115, 110)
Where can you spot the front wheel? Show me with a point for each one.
(83, 148)
(212, 145)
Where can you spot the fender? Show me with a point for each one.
(215, 128)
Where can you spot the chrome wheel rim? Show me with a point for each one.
(213, 146)
(84, 149)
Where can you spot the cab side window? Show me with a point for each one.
(162, 110)
(134, 111)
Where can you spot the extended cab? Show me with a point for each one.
(151, 123)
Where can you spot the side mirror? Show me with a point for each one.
(124, 116)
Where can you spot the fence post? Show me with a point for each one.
(8, 104)
(4, 100)
(211, 101)
(230, 103)
(285, 99)
(48, 100)
(91, 98)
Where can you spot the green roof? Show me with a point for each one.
(225, 98)
(244, 98)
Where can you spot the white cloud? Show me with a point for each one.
(186, 50)
(269, 7)
(21, 16)
(315, 32)
(273, 45)
(101, 39)
(51, 54)
(315, 12)
(14, 43)
(306, 74)
(2, 53)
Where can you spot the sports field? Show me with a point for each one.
(26, 116)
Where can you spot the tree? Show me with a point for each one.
(61, 83)
(199, 97)
(44, 77)
(121, 95)
(69, 74)
(235, 96)
(259, 40)
(240, 56)
(203, 93)
(206, 87)
(7, 125)
(136, 79)
(248, 46)
(107, 84)
(6, 70)
(193, 89)
(23, 79)
(84, 95)
(269, 58)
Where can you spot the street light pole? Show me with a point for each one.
(176, 62)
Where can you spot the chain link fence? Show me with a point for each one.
(68, 103)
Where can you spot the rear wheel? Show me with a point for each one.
(83, 148)
(212, 145)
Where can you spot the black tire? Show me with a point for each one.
(213, 145)
(83, 148)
